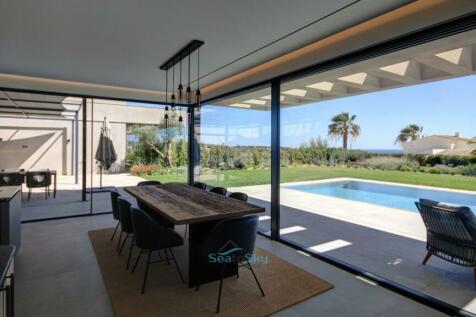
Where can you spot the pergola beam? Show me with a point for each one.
(406, 72)
(361, 80)
(330, 88)
(458, 61)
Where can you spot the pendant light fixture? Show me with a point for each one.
(172, 101)
(166, 115)
(180, 119)
(174, 98)
(180, 87)
(181, 97)
(198, 94)
(188, 93)
(180, 123)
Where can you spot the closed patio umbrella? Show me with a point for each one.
(105, 153)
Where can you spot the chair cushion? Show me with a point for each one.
(466, 214)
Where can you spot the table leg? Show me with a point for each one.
(200, 270)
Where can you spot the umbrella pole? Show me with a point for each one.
(100, 177)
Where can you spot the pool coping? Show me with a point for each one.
(340, 179)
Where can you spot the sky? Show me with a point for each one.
(441, 107)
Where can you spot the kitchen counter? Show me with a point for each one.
(10, 216)
(8, 192)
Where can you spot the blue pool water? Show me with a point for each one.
(395, 196)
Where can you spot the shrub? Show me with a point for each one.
(440, 169)
(434, 160)
(389, 163)
(469, 170)
(141, 169)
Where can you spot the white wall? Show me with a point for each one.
(33, 143)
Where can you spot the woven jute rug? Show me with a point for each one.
(284, 284)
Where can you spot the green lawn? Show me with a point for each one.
(235, 178)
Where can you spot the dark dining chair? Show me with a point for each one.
(124, 208)
(11, 179)
(200, 185)
(146, 183)
(242, 232)
(450, 233)
(151, 236)
(38, 179)
(218, 190)
(239, 196)
(115, 210)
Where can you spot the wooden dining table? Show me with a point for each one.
(183, 204)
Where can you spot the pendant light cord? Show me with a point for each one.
(280, 38)
(198, 68)
(189, 68)
(166, 87)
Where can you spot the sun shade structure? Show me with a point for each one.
(439, 60)
(28, 104)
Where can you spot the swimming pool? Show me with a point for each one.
(395, 196)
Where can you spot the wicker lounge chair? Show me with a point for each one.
(451, 233)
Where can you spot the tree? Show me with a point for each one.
(156, 139)
(473, 152)
(410, 133)
(343, 126)
(180, 158)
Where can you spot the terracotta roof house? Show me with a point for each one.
(440, 144)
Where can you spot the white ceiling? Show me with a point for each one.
(121, 42)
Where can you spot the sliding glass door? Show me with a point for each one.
(235, 146)
(362, 143)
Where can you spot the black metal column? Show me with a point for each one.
(84, 155)
(275, 158)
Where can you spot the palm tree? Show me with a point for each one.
(409, 133)
(343, 126)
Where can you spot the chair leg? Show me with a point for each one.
(186, 229)
(427, 257)
(160, 255)
(137, 260)
(114, 233)
(146, 272)
(130, 253)
(221, 285)
(29, 193)
(119, 242)
(166, 256)
(123, 243)
(46, 193)
(256, 279)
(176, 265)
(474, 274)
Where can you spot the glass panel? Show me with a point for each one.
(235, 146)
(145, 149)
(39, 140)
(361, 144)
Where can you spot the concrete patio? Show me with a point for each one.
(384, 241)
(68, 197)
